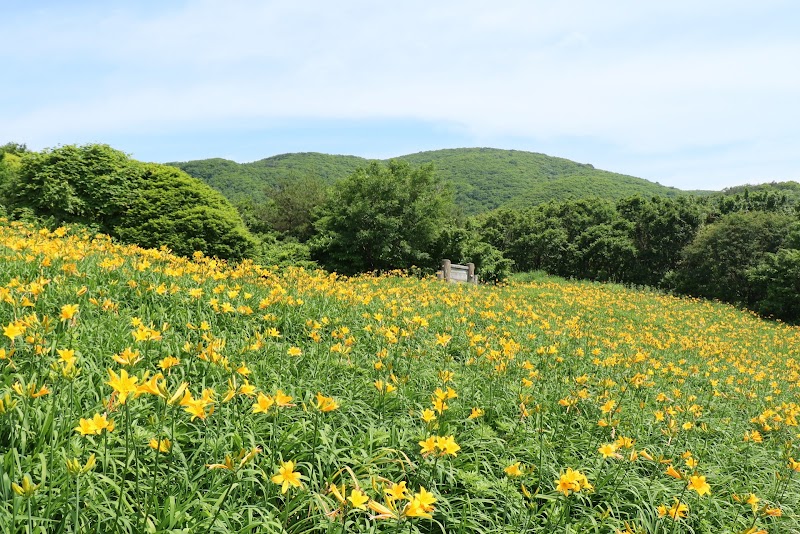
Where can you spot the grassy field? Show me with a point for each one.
(141, 392)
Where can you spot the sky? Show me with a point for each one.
(700, 94)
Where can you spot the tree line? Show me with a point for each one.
(742, 247)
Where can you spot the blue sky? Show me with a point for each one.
(693, 94)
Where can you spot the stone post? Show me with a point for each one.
(446, 270)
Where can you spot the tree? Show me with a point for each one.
(382, 217)
(293, 205)
(17, 149)
(715, 263)
(661, 228)
(147, 204)
(171, 208)
(775, 283)
(88, 184)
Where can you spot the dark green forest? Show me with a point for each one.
(506, 211)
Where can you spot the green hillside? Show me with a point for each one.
(488, 178)
(483, 178)
(242, 181)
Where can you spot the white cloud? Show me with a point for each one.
(649, 79)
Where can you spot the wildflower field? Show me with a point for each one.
(143, 392)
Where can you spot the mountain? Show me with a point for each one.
(483, 178)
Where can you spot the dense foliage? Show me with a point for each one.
(482, 178)
(142, 392)
(716, 262)
(383, 217)
(252, 182)
(738, 248)
(148, 204)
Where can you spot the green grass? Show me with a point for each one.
(541, 358)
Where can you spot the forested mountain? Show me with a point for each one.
(483, 178)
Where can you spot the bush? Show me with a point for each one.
(775, 283)
(148, 204)
(381, 218)
(715, 263)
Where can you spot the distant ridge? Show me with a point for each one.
(483, 178)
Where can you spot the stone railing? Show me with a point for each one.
(452, 272)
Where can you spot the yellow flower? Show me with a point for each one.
(423, 501)
(440, 406)
(699, 484)
(443, 339)
(608, 450)
(446, 376)
(358, 499)
(447, 445)
(608, 406)
(671, 471)
(794, 465)
(397, 492)
(624, 443)
(476, 412)
(29, 390)
(428, 415)
(677, 511)
(127, 357)
(149, 386)
(287, 476)
(66, 355)
(333, 488)
(13, 330)
(326, 404)
(101, 422)
(572, 480)
(85, 427)
(27, 489)
(294, 351)
(227, 464)
(7, 404)
(163, 445)
(283, 400)
(122, 384)
(195, 292)
(197, 409)
(514, 470)
(415, 509)
(247, 389)
(382, 511)
(263, 404)
(428, 445)
(168, 362)
(384, 387)
(176, 397)
(68, 311)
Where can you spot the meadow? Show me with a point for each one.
(145, 392)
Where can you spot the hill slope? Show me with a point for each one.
(483, 178)
(232, 398)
